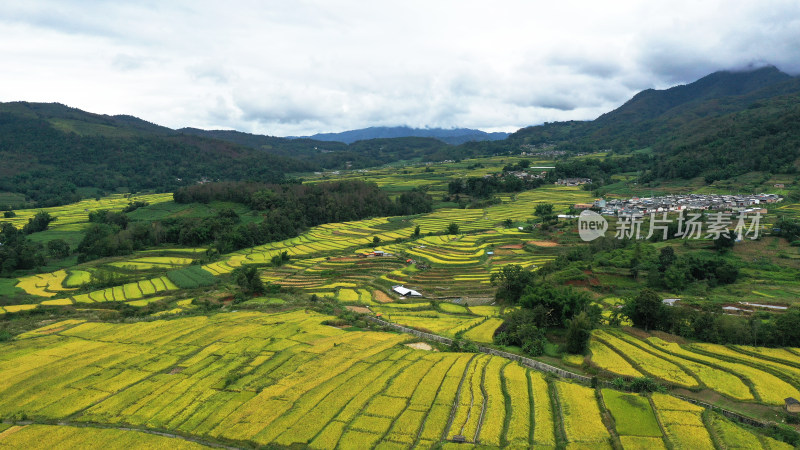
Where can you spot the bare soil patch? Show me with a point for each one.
(421, 346)
(514, 246)
(359, 309)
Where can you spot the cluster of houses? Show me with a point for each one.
(374, 254)
(679, 202)
(523, 175)
(573, 181)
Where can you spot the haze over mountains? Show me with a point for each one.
(722, 125)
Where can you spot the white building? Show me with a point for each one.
(406, 292)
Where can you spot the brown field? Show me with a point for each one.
(543, 243)
(381, 297)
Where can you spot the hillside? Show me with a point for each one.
(335, 155)
(53, 154)
(654, 117)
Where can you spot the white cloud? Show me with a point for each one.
(293, 68)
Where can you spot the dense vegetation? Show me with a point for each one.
(285, 211)
(485, 187)
(49, 165)
(543, 306)
(647, 311)
(17, 251)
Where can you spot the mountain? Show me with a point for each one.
(336, 155)
(720, 126)
(454, 136)
(651, 103)
(655, 116)
(55, 154)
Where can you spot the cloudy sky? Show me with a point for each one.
(304, 66)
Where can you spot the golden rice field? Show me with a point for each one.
(464, 258)
(79, 212)
(286, 379)
(65, 436)
(738, 374)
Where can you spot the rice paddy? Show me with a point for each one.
(739, 375)
(286, 379)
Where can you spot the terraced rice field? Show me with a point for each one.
(322, 259)
(484, 332)
(79, 212)
(741, 375)
(286, 379)
(44, 285)
(64, 436)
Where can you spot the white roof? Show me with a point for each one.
(406, 291)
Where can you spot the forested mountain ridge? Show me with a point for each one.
(452, 136)
(49, 151)
(712, 128)
(655, 116)
(332, 154)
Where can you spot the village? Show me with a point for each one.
(681, 202)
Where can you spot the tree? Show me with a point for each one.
(676, 277)
(511, 281)
(37, 223)
(452, 228)
(17, 251)
(579, 330)
(416, 231)
(665, 258)
(520, 329)
(248, 280)
(562, 303)
(376, 240)
(645, 310)
(58, 248)
(278, 260)
(544, 209)
(724, 242)
(508, 223)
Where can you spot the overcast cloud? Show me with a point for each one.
(300, 67)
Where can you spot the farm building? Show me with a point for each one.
(792, 405)
(404, 291)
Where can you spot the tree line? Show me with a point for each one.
(647, 311)
(284, 211)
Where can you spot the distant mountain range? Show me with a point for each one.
(453, 136)
(720, 126)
